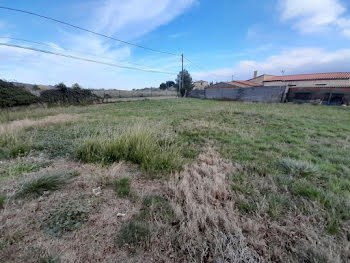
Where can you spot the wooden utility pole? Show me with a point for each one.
(182, 72)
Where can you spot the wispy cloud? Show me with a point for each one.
(134, 18)
(316, 15)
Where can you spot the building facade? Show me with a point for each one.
(200, 85)
(328, 88)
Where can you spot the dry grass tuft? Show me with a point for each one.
(209, 228)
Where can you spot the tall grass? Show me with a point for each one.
(143, 145)
(41, 184)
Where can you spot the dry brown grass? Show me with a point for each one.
(209, 228)
(16, 126)
(21, 235)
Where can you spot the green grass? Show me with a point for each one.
(123, 187)
(44, 183)
(2, 201)
(303, 150)
(297, 168)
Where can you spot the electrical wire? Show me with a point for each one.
(86, 30)
(72, 50)
(84, 59)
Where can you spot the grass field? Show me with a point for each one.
(179, 180)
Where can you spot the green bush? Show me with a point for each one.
(64, 95)
(140, 145)
(11, 95)
(122, 187)
(48, 182)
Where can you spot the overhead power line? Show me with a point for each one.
(72, 50)
(201, 68)
(87, 30)
(84, 59)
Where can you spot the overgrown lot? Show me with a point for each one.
(180, 180)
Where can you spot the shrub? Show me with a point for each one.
(12, 95)
(122, 187)
(48, 182)
(297, 168)
(64, 95)
(140, 145)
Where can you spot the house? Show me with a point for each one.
(330, 88)
(200, 85)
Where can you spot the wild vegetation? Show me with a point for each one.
(11, 95)
(180, 180)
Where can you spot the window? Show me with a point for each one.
(321, 84)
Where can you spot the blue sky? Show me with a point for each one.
(223, 37)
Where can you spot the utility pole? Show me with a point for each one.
(182, 72)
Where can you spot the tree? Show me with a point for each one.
(163, 86)
(76, 86)
(62, 87)
(170, 84)
(187, 84)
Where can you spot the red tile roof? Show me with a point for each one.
(317, 76)
(246, 82)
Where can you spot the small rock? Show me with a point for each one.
(97, 191)
(121, 215)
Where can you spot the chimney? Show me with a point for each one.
(255, 73)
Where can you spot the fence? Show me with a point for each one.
(252, 94)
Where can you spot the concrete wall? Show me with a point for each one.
(310, 83)
(253, 94)
(199, 94)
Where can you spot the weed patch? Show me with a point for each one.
(65, 219)
(2, 201)
(158, 208)
(123, 187)
(133, 234)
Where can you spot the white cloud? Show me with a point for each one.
(292, 61)
(315, 15)
(127, 20)
(134, 18)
